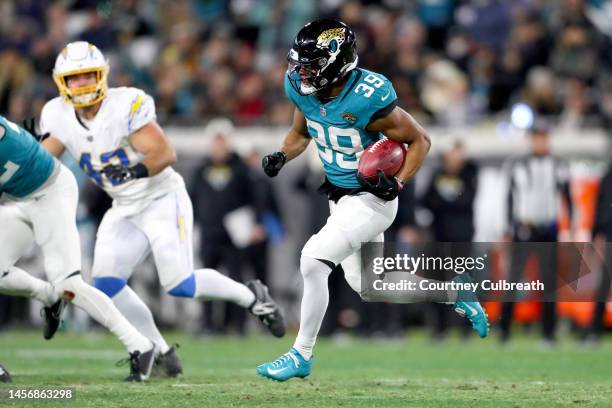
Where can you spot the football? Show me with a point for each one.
(386, 155)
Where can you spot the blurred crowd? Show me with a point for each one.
(246, 222)
(451, 61)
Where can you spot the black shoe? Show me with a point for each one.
(53, 317)
(167, 364)
(141, 365)
(5, 377)
(266, 309)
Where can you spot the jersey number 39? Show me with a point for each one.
(345, 145)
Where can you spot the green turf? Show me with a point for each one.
(352, 373)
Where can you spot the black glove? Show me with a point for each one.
(272, 163)
(118, 174)
(31, 128)
(386, 188)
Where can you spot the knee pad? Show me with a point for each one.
(109, 285)
(310, 266)
(184, 289)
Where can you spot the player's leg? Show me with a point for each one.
(352, 267)
(355, 219)
(16, 236)
(464, 302)
(120, 247)
(59, 239)
(168, 224)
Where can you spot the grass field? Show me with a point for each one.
(351, 373)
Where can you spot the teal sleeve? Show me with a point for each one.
(383, 101)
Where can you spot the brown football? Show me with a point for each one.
(386, 155)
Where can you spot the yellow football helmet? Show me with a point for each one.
(81, 57)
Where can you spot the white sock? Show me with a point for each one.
(101, 308)
(139, 315)
(213, 285)
(314, 304)
(18, 282)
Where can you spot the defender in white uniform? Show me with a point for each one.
(38, 203)
(114, 136)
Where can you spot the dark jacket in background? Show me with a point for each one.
(450, 198)
(603, 211)
(603, 225)
(406, 206)
(216, 190)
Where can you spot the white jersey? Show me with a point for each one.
(104, 141)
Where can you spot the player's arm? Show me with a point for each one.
(294, 144)
(53, 146)
(400, 126)
(152, 143)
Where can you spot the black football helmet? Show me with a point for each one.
(323, 52)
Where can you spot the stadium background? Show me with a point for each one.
(474, 71)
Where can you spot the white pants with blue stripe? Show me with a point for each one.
(164, 228)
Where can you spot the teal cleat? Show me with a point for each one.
(467, 305)
(287, 366)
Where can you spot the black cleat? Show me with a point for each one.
(167, 364)
(266, 309)
(53, 317)
(141, 365)
(5, 377)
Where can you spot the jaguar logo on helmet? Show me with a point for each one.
(81, 58)
(332, 39)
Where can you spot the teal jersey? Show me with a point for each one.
(24, 164)
(339, 126)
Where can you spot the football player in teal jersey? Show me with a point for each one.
(38, 203)
(345, 109)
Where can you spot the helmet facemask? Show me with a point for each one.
(321, 57)
(84, 95)
(306, 74)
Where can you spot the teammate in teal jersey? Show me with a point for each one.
(39, 204)
(24, 165)
(345, 109)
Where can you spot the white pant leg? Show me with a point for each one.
(16, 234)
(16, 237)
(120, 246)
(352, 266)
(353, 221)
(168, 225)
(52, 214)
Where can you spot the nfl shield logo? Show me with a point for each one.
(322, 111)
